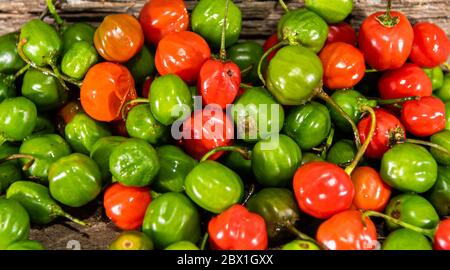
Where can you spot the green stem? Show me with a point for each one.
(58, 75)
(386, 19)
(303, 236)
(223, 52)
(61, 213)
(204, 241)
(328, 143)
(246, 86)
(427, 232)
(21, 71)
(131, 102)
(18, 156)
(264, 56)
(238, 149)
(430, 144)
(283, 5)
(249, 194)
(51, 8)
(446, 66)
(246, 70)
(371, 70)
(362, 150)
(395, 100)
(2, 139)
(325, 97)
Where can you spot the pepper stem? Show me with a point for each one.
(302, 236)
(246, 70)
(325, 97)
(371, 70)
(264, 56)
(58, 75)
(21, 71)
(249, 194)
(427, 232)
(51, 8)
(283, 5)
(246, 86)
(362, 150)
(395, 100)
(123, 111)
(60, 212)
(204, 241)
(238, 149)
(425, 143)
(386, 19)
(223, 52)
(328, 143)
(17, 156)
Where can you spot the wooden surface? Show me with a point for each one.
(260, 17)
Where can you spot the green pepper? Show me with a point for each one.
(332, 11)
(409, 167)
(170, 96)
(412, 209)
(207, 20)
(43, 44)
(444, 92)
(247, 55)
(83, 132)
(142, 124)
(404, 239)
(74, 180)
(214, 187)
(293, 75)
(45, 149)
(9, 172)
(310, 157)
(10, 61)
(171, 218)
(26, 245)
(77, 32)
(44, 90)
(142, 65)
(342, 152)
(239, 164)
(7, 87)
(300, 245)
(36, 199)
(175, 166)
(132, 240)
(134, 163)
(309, 124)
(278, 208)
(182, 245)
(257, 115)
(303, 27)
(101, 151)
(17, 119)
(15, 223)
(78, 59)
(447, 115)
(439, 195)
(442, 139)
(436, 76)
(43, 126)
(275, 161)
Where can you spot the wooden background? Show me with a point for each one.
(260, 17)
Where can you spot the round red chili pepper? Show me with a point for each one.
(238, 229)
(106, 88)
(346, 231)
(270, 42)
(161, 17)
(126, 206)
(431, 46)
(371, 193)
(341, 32)
(407, 81)
(343, 65)
(423, 117)
(323, 189)
(182, 53)
(442, 235)
(385, 39)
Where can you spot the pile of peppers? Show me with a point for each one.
(320, 139)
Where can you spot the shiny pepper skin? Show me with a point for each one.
(341, 32)
(238, 229)
(219, 82)
(371, 192)
(442, 235)
(126, 206)
(118, 38)
(424, 117)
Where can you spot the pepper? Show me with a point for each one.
(444, 92)
(101, 151)
(331, 11)
(10, 61)
(36, 199)
(15, 223)
(342, 152)
(45, 149)
(26, 245)
(278, 209)
(83, 132)
(134, 163)
(7, 87)
(237, 229)
(412, 209)
(308, 124)
(275, 161)
(171, 218)
(300, 245)
(44, 126)
(214, 187)
(74, 180)
(78, 59)
(142, 124)
(182, 245)
(9, 171)
(442, 139)
(207, 19)
(439, 194)
(132, 240)
(76, 32)
(442, 236)
(175, 166)
(436, 76)
(45, 91)
(341, 32)
(257, 115)
(310, 157)
(247, 55)
(371, 193)
(238, 163)
(17, 110)
(142, 65)
(404, 239)
(409, 167)
(423, 117)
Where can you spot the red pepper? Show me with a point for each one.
(238, 229)
(346, 231)
(424, 117)
(146, 86)
(442, 235)
(126, 206)
(341, 32)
